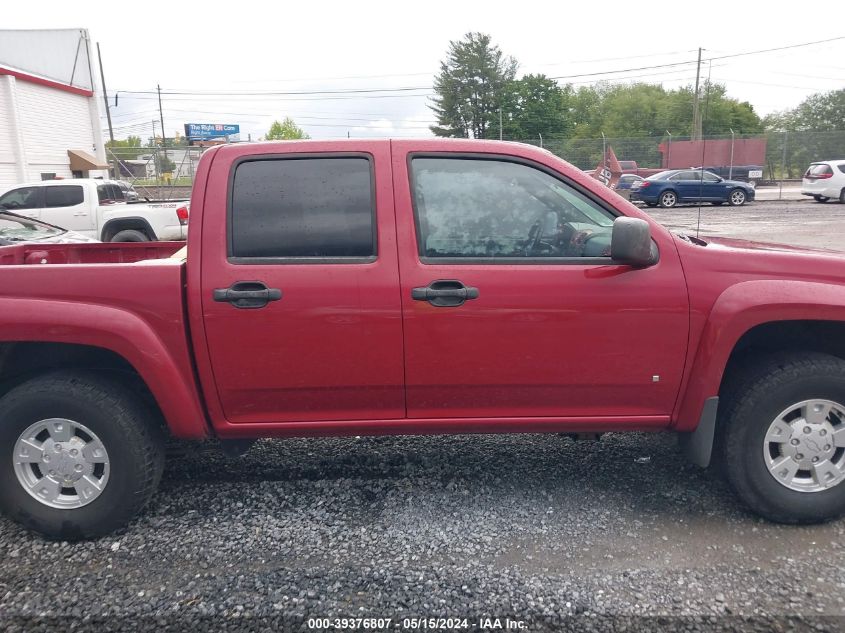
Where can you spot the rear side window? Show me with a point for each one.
(303, 208)
(63, 196)
(818, 170)
(842, 168)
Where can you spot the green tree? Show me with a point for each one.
(286, 130)
(163, 163)
(532, 106)
(126, 149)
(821, 112)
(469, 88)
(814, 130)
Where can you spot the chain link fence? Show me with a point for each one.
(782, 155)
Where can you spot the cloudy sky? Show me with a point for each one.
(262, 56)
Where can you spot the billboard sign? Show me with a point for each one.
(211, 131)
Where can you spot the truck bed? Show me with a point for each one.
(90, 253)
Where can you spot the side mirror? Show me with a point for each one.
(630, 242)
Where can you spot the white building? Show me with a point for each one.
(49, 108)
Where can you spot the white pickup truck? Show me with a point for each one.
(96, 209)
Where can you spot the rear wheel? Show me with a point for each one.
(80, 454)
(668, 199)
(782, 437)
(842, 196)
(736, 198)
(821, 198)
(130, 235)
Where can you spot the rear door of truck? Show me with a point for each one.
(300, 284)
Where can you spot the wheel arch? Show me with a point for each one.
(759, 317)
(114, 226)
(100, 337)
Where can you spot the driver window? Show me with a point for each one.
(482, 208)
(23, 198)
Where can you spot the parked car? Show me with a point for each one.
(623, 185)
(390, 303)
(97, 209)
(16, 228)
(678, 186)
(825, 181)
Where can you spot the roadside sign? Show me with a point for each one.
(211, 131)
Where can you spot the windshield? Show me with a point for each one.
(19, 229)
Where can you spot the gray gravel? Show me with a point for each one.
(538, 527)
(620, 534)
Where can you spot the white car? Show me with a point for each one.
(15, 229)
(825, 180)
(96, 209)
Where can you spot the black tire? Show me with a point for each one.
(668, 199)
(128, 429)
(737, 197)
(754, 395)
(130, 235)
(842, 196)
(821, 199)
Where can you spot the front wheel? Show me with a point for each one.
(782, 437)
(821, 198)
(737, 198)
(80, 454)
(668, 199)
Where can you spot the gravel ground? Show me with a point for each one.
(534, 527)
(619, 534)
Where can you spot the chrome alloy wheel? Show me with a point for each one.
(804, 448)
(737, 197)
(61, 463)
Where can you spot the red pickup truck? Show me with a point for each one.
(416, 286)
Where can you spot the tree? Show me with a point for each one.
(286, 130)
(821, 112)
(469, 88)
(532, 106)
(127, 149)
(814, 130)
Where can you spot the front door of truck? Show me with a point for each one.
(300, 280)
(512, 307)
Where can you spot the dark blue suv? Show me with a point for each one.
(677, 186)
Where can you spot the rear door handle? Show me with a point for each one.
(247, 294)
(445, 293)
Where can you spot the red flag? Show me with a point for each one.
(609, 169)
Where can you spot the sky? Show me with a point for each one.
(293, 47)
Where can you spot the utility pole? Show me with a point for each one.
(108, 111)
(500, 123)
(696, 119)
(161, 116)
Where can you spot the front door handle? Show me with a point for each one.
(247, 294)
(445, 293)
